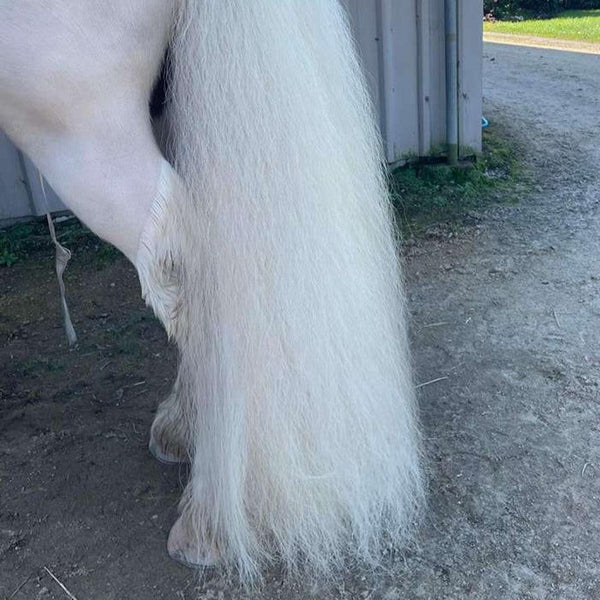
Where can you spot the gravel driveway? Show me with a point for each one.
(505, 315)
(514, 432)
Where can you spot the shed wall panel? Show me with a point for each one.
(470, 77)
(44, 198)
(363, 19)
(437, 77)
(407, 75)
(21, 193)
(398, 38)
(14, 197)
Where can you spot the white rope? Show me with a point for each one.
(62, 258)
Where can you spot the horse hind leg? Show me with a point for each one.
(170, 432)
(110, 172)
(158, 263)
(80, 111)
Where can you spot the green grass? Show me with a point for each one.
(429, 195)
(32, 237)
(582, 25)
(37, 366)
(423, 195)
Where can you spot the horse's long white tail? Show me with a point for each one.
(304, 430)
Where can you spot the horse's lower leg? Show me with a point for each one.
(185, 547)
(126, 200)
(170, 433)
(133, 208)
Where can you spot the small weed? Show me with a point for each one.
(128, 345)
(18, 241)
(425, 195)
(106, 255)
(37, 366)
(7, 258)
(73, 233)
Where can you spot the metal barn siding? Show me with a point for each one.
(470, 74)
(21, 192)
(401, 44)
(402, 48)
(14, 199)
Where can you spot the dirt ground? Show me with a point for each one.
(506, 312)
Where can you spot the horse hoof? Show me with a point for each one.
(165, 444)
(164, 457)
(184, 547)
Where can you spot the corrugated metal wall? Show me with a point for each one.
(402, 48)
(21, 192)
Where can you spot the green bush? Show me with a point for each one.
(505, 9)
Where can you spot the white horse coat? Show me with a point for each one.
(267, 249)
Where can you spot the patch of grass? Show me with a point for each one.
(106, 255)
(38, 366)
(17, 241)
(582, 25)
(73, 233)
(428, 195)
(26, 239)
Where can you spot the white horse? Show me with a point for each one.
(266, 247)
